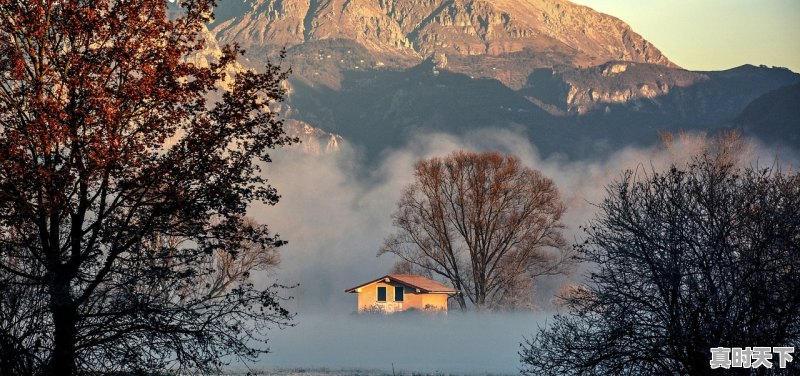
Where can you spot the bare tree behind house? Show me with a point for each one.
(484, 223)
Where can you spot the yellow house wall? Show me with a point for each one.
(439, 301)
(368, 298)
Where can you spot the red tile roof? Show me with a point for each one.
(412, 280)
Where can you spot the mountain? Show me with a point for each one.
(501, 39)
(700, 97)
(579, 113)
(576, 82)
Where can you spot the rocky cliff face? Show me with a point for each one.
(529, 33)
(312, 139)
(211, 53)
(649, 88)
(579, 91)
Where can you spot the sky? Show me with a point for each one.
(714, 35)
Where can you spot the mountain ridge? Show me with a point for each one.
(346, 87)
(773, 117)
(402, 33)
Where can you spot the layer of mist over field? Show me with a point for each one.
(455, 343)
(335, 216)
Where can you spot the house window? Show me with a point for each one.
(382, 294)
(398, 293)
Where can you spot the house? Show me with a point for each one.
(402, 292)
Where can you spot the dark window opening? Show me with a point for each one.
(381, 294)
(398, 293)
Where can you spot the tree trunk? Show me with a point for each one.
(65, 317)
(459, 295)
(461, 302)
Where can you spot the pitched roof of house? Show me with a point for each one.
(411, 280)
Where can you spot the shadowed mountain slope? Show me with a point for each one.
(774, 117)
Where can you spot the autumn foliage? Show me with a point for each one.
(123, 191)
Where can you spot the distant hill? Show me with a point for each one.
(577, 112)
(613, 87)
(774, 117)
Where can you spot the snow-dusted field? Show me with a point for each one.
(415, 344)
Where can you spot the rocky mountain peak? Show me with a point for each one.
(502, 39)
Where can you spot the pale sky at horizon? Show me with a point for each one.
(714, 35)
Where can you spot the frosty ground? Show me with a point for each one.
(412, 344)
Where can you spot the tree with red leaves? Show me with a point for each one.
(123, 190)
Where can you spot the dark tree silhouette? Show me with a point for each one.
(700, 256)
(483, 222)
(123, 241)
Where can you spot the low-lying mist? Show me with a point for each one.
(453, 343)
(335, 214)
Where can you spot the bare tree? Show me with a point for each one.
(123, 190)
(726, 148)
(699, 256)
(483, 222)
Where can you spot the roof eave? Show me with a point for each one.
(353, 289)
(421, 290)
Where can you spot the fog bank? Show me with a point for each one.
(455, 343)
(335, 214)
